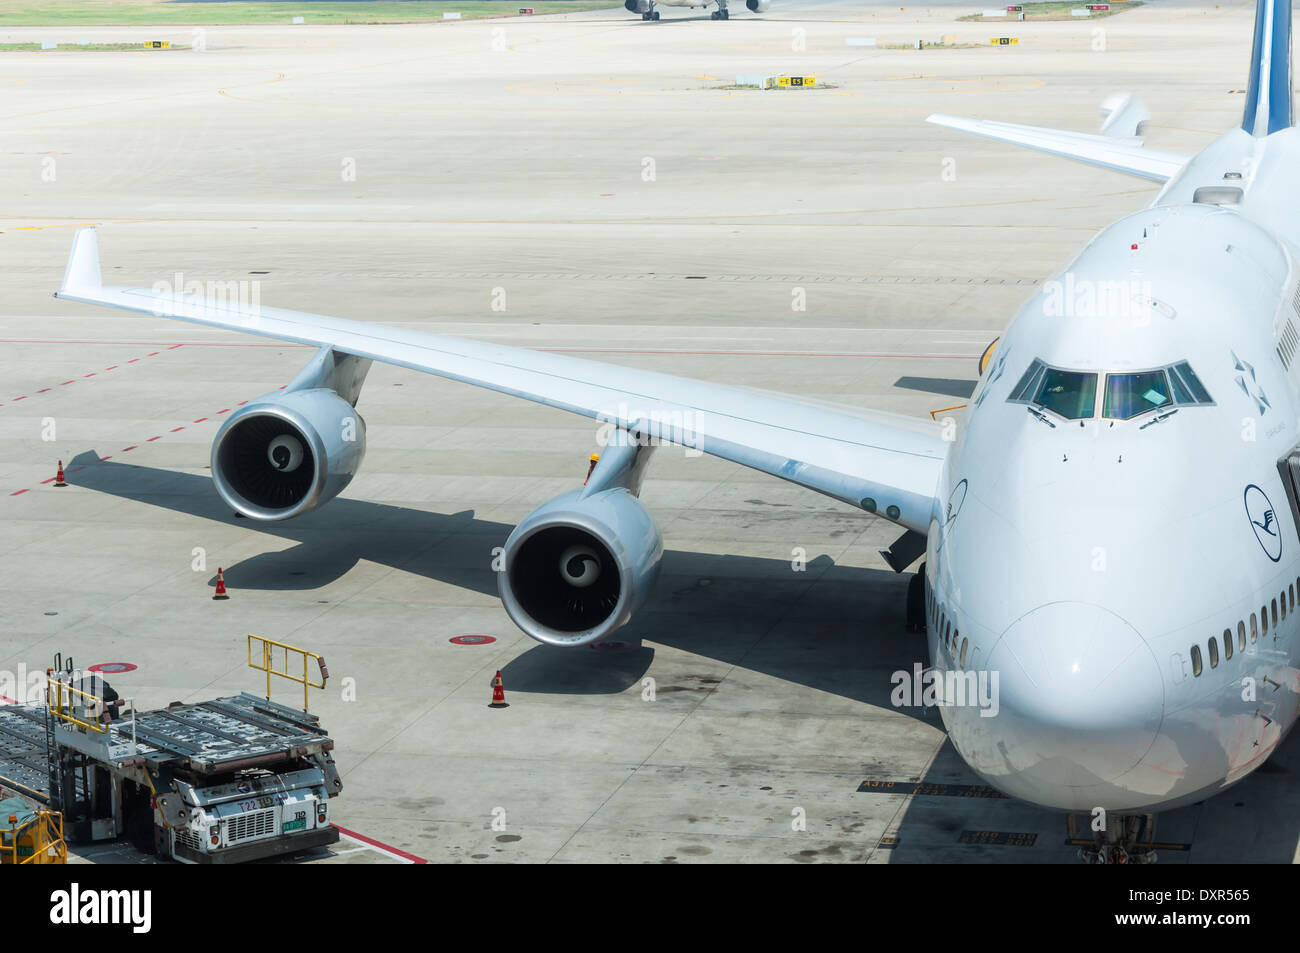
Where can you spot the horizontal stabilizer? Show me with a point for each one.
(1108, 152)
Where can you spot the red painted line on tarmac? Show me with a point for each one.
(133, 360)
(18, 492)
(154, 354)
(226, 411)
(139, 343)
(132, 447)
(91, 374)
(109, 457)
(74, 469)
(6, 700)
(200, 420)
(380, 844)
(66, 383)
(43, 482)
(112, 367)
(177, 429)
(16, 399)
(44, 389)
(671, 352)
(152, 439)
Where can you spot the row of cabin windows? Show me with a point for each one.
(1258, 626)
(937, 616)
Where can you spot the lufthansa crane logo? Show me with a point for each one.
(1263, 520)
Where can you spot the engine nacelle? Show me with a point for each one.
(637, 6)
(758, 6)
(286, 454)
(578, 567)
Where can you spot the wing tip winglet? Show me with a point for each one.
(82, 273)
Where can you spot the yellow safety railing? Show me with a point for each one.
(39, 841)
(67, 704)
(263, 655)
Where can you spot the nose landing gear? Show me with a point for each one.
(721, 13)
(1122, 839)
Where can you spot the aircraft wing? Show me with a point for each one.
(885, 463)
(1121, 154)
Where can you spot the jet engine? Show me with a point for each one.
(638, 6)
(578, 567)
(758, 6)
(288, 453)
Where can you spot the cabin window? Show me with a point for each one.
(1275, 613)
(1227, 643)
(1196, 660)
(964, 645)
(1214, 653)
(1254, 628)
(956, 633)
(1281, 597)
(1241, 636)
(1263, 620)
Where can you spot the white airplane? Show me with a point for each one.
(647, 7)
(1107, 534)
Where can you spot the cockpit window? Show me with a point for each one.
(1028, 385)
(1128, 395)
(1184, 375)
(1072, 394)
(1068, 393)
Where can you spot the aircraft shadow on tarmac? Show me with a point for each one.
(836, 629)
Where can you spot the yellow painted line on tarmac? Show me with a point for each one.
(34, 228)
(266, 82)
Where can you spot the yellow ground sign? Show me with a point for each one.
(1004, 41)
(796, 81)
(157, 44)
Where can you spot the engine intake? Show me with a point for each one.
(758, 6)
(578, 567)
(284, 455)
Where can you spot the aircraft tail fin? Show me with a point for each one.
(1269, 106)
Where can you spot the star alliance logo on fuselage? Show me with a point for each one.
(1263, 520)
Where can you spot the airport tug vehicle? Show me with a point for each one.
(225, 781)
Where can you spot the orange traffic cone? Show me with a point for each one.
(498, 693)
(58, 477)
(591, 466)
(221, 587)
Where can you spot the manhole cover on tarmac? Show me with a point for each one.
(113, 668)
(472, 639)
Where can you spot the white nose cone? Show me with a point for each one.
(1081, 701)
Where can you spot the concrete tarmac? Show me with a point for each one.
(589, 184)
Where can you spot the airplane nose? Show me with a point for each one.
(1080, 697)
